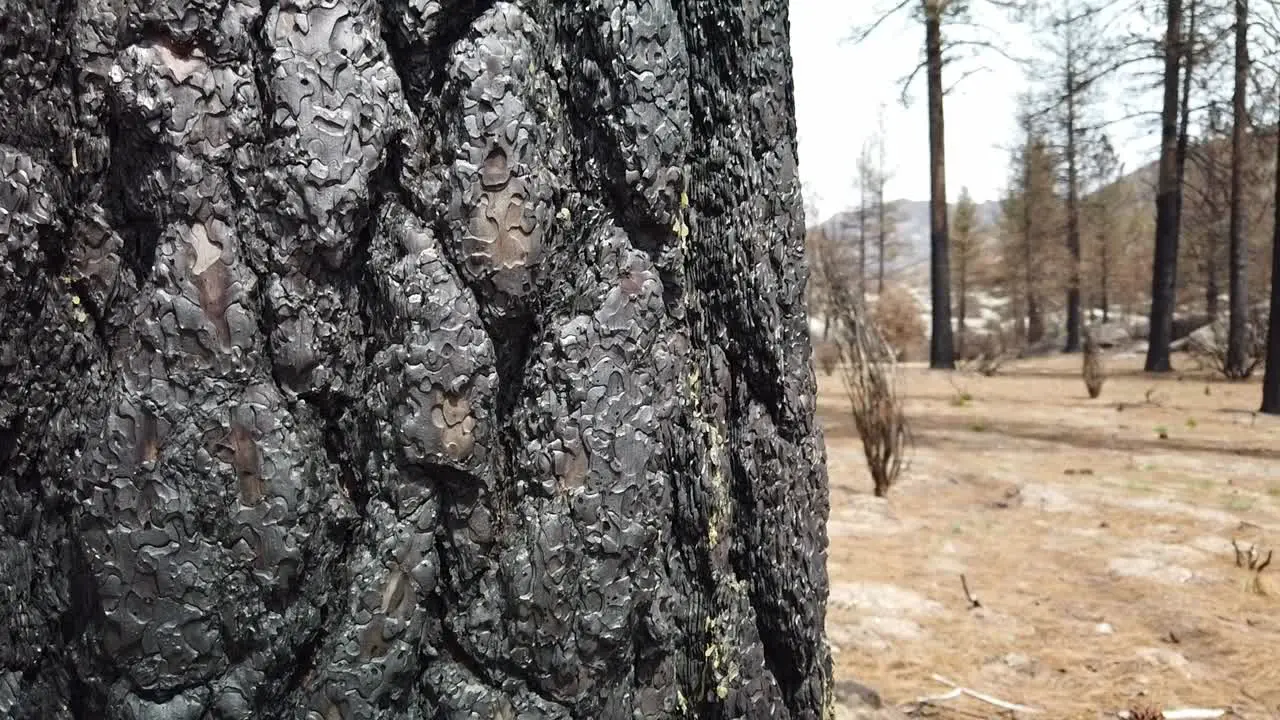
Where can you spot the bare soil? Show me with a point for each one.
(1096, 535)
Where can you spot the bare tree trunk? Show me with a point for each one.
(1035, 323)
(1165, 266)
(941, 348)
(1105, 281)
(1238, 291)
(882, 214)
(1271, 375)
(389, 359)
(1184, 109)
(962, 305)
(882, 240)
(1073, 213)
(862, 244)
(1035, 320)
(1211, 290)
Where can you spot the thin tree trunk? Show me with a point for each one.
(882, 227)
(862, 245)
(295, 329)
(882, 241)
(1271, 375)
(1105, 253)
(941, 347)
(1035, 321)
(1164, 270)
(1211, 291)
(1073, 214)
(962, 306)
(1184, 108)
(1035, 324)
(1238, 291)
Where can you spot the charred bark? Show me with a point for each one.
(941, 348)
(1271, 374)
(1164, 272)
(1238, 289)
(393, 359)
(1073, 212)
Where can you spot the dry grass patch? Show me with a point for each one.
(1101, 554)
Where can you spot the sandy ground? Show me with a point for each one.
(1100, 552)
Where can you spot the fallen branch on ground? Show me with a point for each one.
(957, 691)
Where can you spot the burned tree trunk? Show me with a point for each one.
(1271, 373)
(941, 344)
(1236, 365)
(1164, 269)
(395, 359)
(1073, 204)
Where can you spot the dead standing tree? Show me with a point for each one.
(1164, 269)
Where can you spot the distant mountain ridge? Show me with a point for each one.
(913, 221)
(911, 232)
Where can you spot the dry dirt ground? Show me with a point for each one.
(1100, 552)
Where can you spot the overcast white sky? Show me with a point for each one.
(839, 87)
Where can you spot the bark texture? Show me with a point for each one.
(1164, 268)
(941, 343)
(405, 359)
(1271, 374)
(1238, 249)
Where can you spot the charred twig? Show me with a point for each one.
(1151, 713)
(1252, 558)
(1253, 561)
(973, 599)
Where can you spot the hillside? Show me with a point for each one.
(911, 233)
(912, 230)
